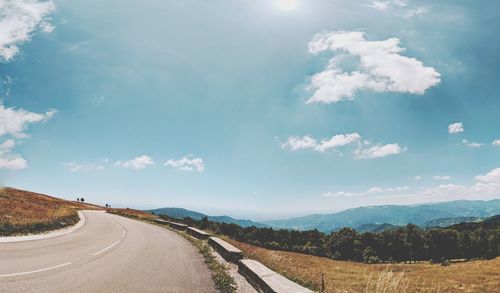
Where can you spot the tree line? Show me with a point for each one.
(404, 244)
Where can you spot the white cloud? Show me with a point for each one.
(297, 143)
(472, 144)
(18, 21)
(337, 141)
(441, 177)
(379, 151)
(47, 27)
(381, 5)
(332, 85)
(187, 163)
(341, 194)
(485, 186)
(76, 167)
(14, 121)
(496, 143)
(10, 160)
(445, 190)
(491, 177)
(373, 190)
(456, 128)
(381, 68)
(307, 142)
(415, 12)
(398, 7)
(417, 178)
(364, 150)
(136, 163)
(399, 188)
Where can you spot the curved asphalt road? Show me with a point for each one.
(108, 254)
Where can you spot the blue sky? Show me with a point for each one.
(260, 109)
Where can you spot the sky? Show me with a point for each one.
(257, 109)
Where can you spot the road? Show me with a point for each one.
(108, 254)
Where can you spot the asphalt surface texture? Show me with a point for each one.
(108, 254)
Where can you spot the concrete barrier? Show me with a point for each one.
(197, 233)
(265, 280)
(226, 250)
(177, 226)
(160, 221)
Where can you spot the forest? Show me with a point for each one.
(404, 244)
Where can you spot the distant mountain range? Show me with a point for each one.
(367, 219)
(181, 213)
(394, 215)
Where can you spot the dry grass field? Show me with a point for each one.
(341, 276)
(23, 212)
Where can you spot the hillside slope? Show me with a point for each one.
(343, 276)
(23, 212)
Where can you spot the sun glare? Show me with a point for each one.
(286, 4)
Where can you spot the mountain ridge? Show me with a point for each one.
(181, 213)
(369, 218)
(391, 214)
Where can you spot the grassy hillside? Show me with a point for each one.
(23, 212)
(342, 276)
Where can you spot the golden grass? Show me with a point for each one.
(24, 212)
(342, 276)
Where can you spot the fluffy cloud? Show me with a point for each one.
(364, 151)
(373, 190)
(136, 163)
(14, 121)
(9, 160)
(441, 177)
(298, 143)
(472, 144)
(456, 128)
(496, 143)
(333, 85)
(187, 163)
(417, 178)
(18, 20)
(337, 141)
(306, 142)
(491, 177)
(379, 151)
(381, 68)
